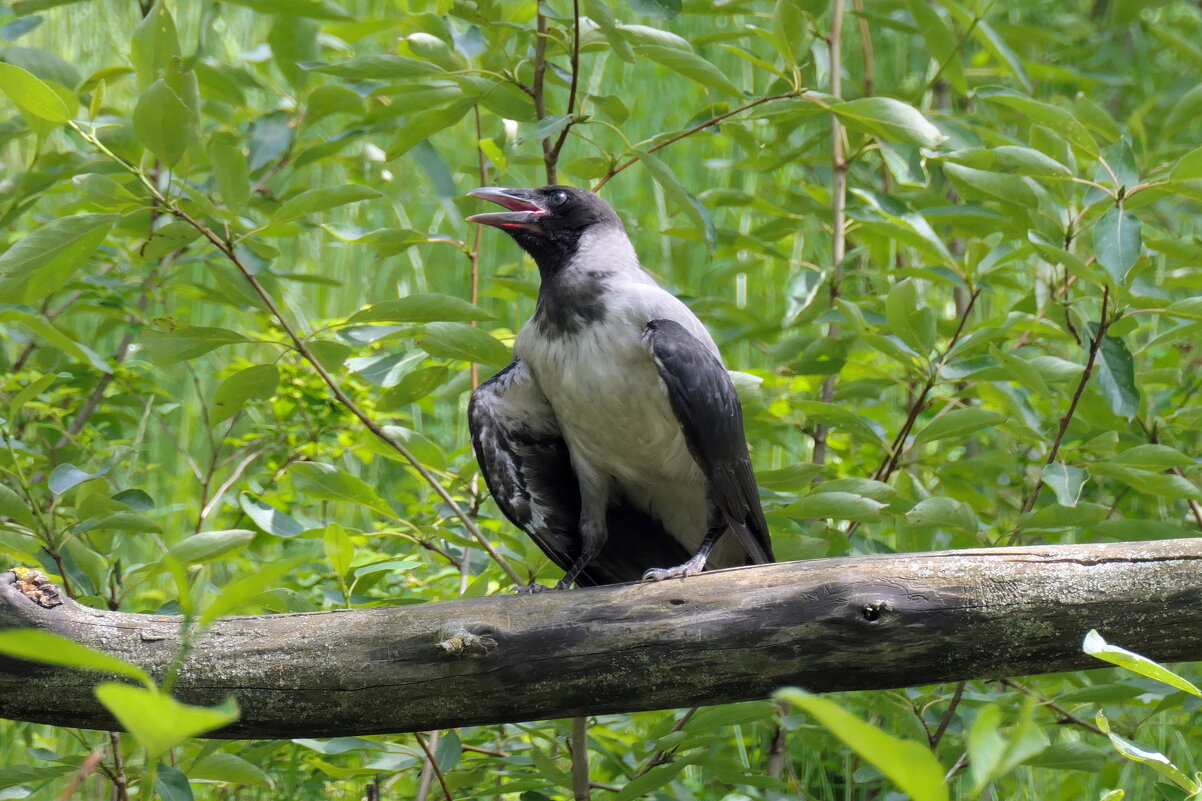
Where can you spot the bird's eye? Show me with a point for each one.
(558, 198)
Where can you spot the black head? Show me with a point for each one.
(547, 222)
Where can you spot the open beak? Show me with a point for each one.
(522, 211)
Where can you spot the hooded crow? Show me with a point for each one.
(615, 437)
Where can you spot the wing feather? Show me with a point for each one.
(706, 405)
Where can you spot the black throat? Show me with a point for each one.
(568, 301)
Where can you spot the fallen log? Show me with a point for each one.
(829, 624)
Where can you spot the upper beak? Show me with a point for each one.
(522, 212)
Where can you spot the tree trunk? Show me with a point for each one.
(829, 624)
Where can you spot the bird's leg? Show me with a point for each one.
(695, 565)
(592, 537)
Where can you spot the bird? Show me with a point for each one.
(614, 439)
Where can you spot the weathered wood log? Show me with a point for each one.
(830, 624)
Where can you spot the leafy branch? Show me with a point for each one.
(227, 249)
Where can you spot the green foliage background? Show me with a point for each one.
(999, 344)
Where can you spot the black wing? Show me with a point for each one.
(706, 405)
(528, 469)
(525, 461)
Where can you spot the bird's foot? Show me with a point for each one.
(689, 568)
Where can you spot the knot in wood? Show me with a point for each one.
(874, 610)
(458, 641)
(37, 588)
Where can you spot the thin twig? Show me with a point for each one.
(425, 779)
(838, 209)
(689, 132)
(563, 135)
(539, 88)
(663, 757)
(866, 46)
(1050, 704)
(82, 772)
(893, 458)
(946, 720)
(442, 780)
(579, 748)
(1095, 344)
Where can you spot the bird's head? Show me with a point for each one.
(548, 222)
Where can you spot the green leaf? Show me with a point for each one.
(231, 173)
(231, 769)
(425, 124)
(169, 238)
(390, 565)
(268, 518)
(1095, 645)
(461, 341)
(1010, 159)
(66, 476)
(1116, 377)
(209, 545)
(837, 505)
(1188, 167)
(171, 784)
(186, 342)
(1165, 485)
(50, 334)
(44, 260)
(48, 648)
(378, 68)
(992, 754)
(1153, 457)
(1070, 757)
(909, 765)
(154, 44)
(14, 508)
(681, 197)
(422, 308)
(790, 31)
(652, 780)
(691, 66)
(326, 482)
(889, 119)
(157, 721)
(911, 323)
(999, 186)
(1066, 481)
(236, 595)
(339, 548)
(254, 383)
(312, 201)
(1056, 119)
(412, 387)
(942, 512)
(1153, 759)
(660, 9)
(164, 123)
(31, 95)
(1117, 242)
(30, 774)
(792, 478)
(958, 423)
(942, 44)
(547, 127)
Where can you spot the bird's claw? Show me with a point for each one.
(663, 573)
(533, 589)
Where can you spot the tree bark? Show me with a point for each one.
(830, 624)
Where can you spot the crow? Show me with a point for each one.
(615, 437)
